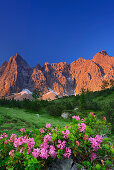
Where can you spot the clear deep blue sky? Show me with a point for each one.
(55, 30)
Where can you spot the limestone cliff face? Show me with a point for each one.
(61, 78)
(2, 68)
(15, 77)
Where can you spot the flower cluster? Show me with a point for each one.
(4, 135)
(22, 130)
(95, 142)
(76, 117)
(82, 127)
(48, 125)
(66, 133)
(92, 114)
(51, 142)
(61, 145)
(67, 153)
(41, 130)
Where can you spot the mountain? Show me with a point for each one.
(16, 76)
(61, 78)
(3, 67)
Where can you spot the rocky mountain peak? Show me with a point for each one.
(103, 52)
(64, 79)
(4, 63)
(3, 67)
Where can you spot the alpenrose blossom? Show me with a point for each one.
(95, 142)
(66, 133)
(36, 152)
(11, 153)
(92, 114)
(4, 135)
(22, 150)
(44, 145)
(104, 118)
(12, 137)
(5, 142)
(61, 145)
(44, 153)
(41, 130)
(85, 137)
(93, 155)
(67, 153)
(77, 143)
(76, 117)
(52, 152)
(82, 127)
(48, 125)
(47, 138)
(22, 130)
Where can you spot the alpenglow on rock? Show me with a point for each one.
(63, 79)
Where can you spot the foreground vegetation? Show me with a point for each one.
(77, 137)
(82, 139)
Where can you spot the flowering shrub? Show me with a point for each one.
(82, 139)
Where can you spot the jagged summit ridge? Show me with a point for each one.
(62, 78)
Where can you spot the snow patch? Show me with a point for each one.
(25, 91)
(50, 90)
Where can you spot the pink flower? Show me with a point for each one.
(30, 143)
(52, 152)
(92, 114)
(82, 127)
(93, 155)
(28, 151)
(44, 154)
(11, 153)
(104, 118)
(44, 145)
(48, 125)
(36, 153)
(85, 137)
(76, 117)
(66, 133)
(82, 119)
(22, 150)
(73, 117)
(22, 130)
(4, 135)
(77, 143)
(5, 142)
(61, 145)
(67, 153)
(98, 138)
(95, 142)
(41, 130)
(47, 138)
(12, 137)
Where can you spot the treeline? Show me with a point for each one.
(34, 105)
(96, 101)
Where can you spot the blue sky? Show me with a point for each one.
(55, 30)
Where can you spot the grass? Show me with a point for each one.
(12, 119)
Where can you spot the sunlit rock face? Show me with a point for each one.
(16, 76)
(60, 77)
(3, 67)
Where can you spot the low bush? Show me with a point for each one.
(55, 109)
(82, 139)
